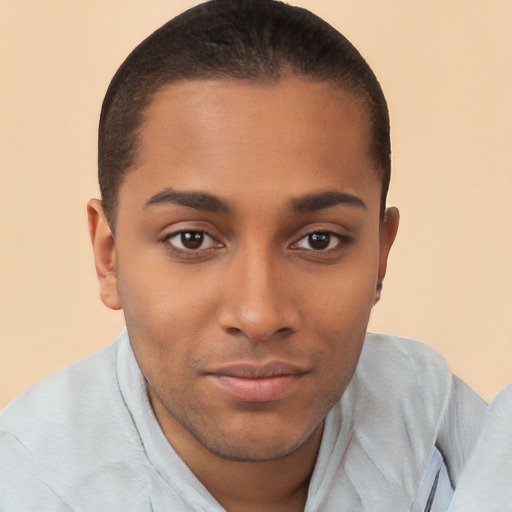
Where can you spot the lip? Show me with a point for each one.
(258, 383)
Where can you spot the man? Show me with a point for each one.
(243, 229)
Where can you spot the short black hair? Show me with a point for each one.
(245, 40)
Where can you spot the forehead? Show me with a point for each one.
(293, 107)
(291, 135)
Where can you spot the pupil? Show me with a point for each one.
(192, 239)
(319, 241)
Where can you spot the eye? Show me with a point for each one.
(191, 241)
(320, 241)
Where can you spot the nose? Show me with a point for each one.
(257, 301)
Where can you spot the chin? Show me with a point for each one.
(255, 444)
(255, 452)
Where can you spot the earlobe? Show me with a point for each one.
(388, 231)
(105, 257)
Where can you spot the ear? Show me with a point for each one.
(105, 256)
(388, 230)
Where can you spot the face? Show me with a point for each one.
(247, 252)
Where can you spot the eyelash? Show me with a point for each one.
(187, 252)
(342, 242)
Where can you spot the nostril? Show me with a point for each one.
(284, 331)
(234, 331)
(278, 334)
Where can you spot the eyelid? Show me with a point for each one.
(191, 227)
(322, 227)
(331, 234)
(170, 236)
(341, 234)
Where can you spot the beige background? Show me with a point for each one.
(445, 66)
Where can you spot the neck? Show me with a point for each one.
(271, 485)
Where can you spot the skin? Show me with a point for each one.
(251, 285)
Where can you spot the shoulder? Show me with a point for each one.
(407, 353)
(71, 411)
(486, 480)
(405, 389)
(400, 367)
(397, 398)
(406, 368)
(71, 433)
(53, 401)
(416, 376)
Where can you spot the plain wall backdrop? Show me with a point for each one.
(446, 69)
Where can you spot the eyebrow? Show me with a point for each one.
(321, 200)
(208, 202)
(191, 199)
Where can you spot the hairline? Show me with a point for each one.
(152, 92)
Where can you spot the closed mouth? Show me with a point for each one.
(258, 383)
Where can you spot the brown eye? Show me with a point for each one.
(191, 241)
(320, 241)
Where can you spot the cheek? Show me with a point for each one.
(337, 316)
(342, 298)
(153, 289)
(165, 311)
